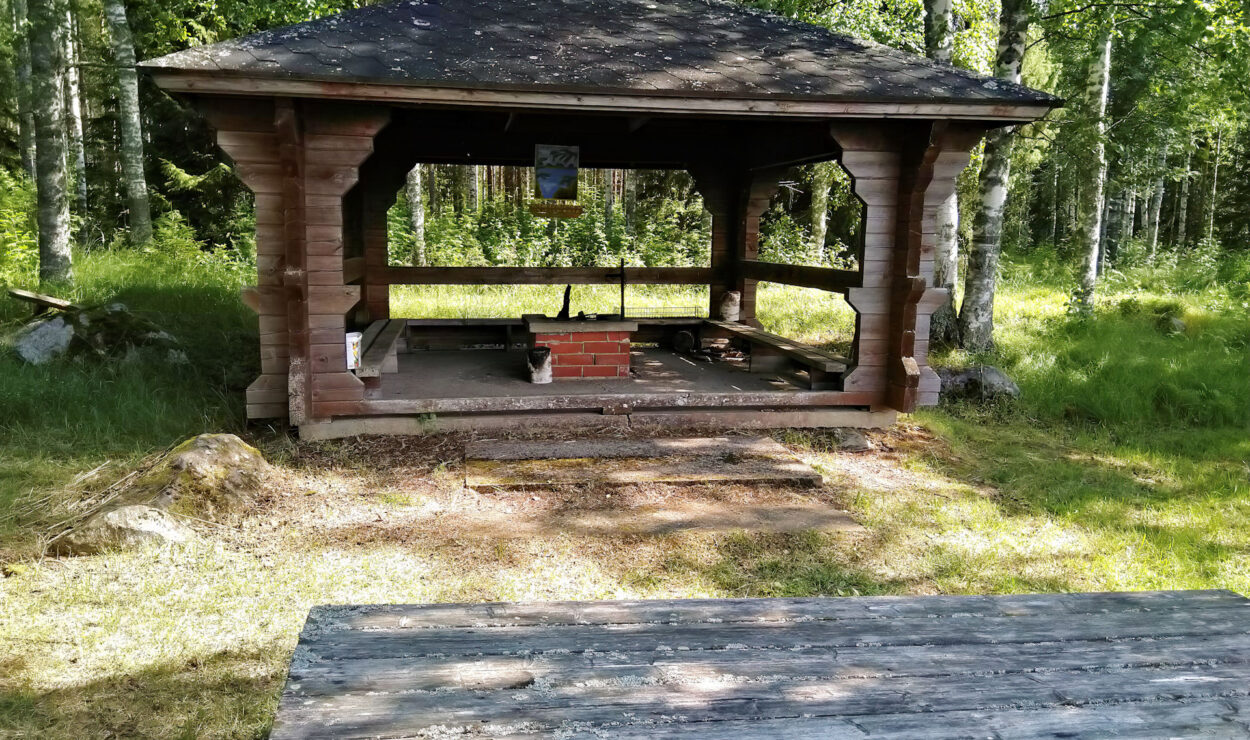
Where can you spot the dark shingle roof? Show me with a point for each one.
(648, 47)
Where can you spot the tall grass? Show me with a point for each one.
(69, 415)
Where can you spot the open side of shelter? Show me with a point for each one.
(324, 120)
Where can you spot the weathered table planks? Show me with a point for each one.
(1155, 664)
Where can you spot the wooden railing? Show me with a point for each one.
(824, 278)
(540, 275)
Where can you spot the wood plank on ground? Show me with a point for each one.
(508, 463)
(1031, 666)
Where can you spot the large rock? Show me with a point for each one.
(41, 342)
(981, 383)
(109, 332)
(126, 526)
(209, 477)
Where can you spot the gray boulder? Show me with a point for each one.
(124, 527)
(43, 341)
(109, 332)
(211, 477)
(981, 383)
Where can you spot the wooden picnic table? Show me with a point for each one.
(1061, 665)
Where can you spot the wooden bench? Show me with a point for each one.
(377, 348)
(771, 353)
(43, 303)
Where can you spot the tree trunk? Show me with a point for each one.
(130, 121)
(416, 204)
(609, 199)
(431, 187)
(1215, 180)
(1155, 208)
(73, 106)
(47, 54)
(939, 44)
(474, 173)
(1114, 220)
(1181, 217)
(1054, 203)
(1090, 207)
(939, 33)
(822, 181)
(631, 200)
(25, 109)
(976, 315)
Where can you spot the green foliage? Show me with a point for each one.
(19, 240)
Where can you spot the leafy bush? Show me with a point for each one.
(19, 235)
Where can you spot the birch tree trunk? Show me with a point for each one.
(47, 55)
(416, 204)
(939, 44)
(25, 110)
(976, 315)
(822, 181)
(1155, 208)
(73, 107)
(130, 122)
(1182, 205)
(475, 191)
(1089, 218)
(1215, 180)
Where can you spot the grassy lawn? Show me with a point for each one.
(1126, 465)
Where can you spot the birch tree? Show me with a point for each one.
(822, 181)
(47, 56)
(130, 122)
(939, 42)
(976, 315)
(74, 127)
(1090, 206)
(25, 111)
(1155, 206)
(416, 204)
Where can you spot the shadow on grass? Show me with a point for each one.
(224, 694)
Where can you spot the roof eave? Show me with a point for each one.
(632, 103)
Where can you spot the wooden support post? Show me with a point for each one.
(902, 172)
(736, 198)
(299, 159)
(245, 132)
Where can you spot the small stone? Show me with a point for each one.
(43, 341)
(1176, 326)
(123, 527)
(851, 440)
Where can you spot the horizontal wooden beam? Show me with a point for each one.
(771, 400)
(639, 104)
(539, 275)
(824, 278)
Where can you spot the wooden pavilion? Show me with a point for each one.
(324, 119)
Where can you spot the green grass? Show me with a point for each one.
(68, 417)
(1125, 465)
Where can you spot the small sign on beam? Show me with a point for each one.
(555, 209)
(555, 172)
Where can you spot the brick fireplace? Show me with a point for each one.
(585, 350)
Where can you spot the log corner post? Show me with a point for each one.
(736, 198)
(902, 173)
(299, 158)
